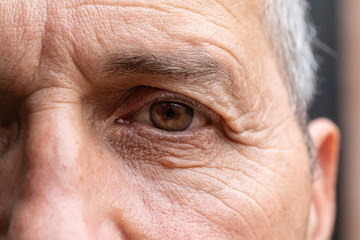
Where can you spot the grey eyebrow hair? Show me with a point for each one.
(184, 64)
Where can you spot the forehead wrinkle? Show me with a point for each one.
(209, 17)
(233, 7)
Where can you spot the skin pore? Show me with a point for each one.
(83, 158)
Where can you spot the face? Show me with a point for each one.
(146, 120)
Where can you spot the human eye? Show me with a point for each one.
(169, 112)
(165, 127)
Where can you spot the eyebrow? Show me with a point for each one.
(187, 64)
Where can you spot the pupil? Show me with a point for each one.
(170, 113)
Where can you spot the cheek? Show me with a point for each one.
(202, 186)
(176, 190)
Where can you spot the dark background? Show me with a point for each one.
(325, 16)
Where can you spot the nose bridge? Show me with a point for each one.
(53, 146)
(50, 199)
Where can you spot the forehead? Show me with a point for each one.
(61, 33)
(24, 14)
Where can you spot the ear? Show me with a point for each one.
(325, 136)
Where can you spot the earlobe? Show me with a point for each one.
(325, 136)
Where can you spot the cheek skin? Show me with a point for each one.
(176, 189)
(229, 191)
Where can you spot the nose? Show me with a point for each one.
(50, 203)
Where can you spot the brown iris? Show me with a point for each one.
(171, 116)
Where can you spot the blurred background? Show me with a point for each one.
(338, 51)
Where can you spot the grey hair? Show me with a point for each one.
(291, 36)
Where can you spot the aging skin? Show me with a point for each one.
(153, 120)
